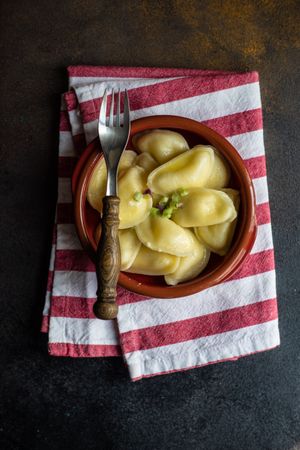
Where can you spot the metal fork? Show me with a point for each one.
(113, 139)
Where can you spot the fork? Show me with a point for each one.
(113, 139)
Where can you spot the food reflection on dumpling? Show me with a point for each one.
(161, 144)
(220, 173)
(97, 185)
(163, 235)
(146, 161)
(150, 262)
(218, 237)
(203, 207)
(190, 266)
(132, 212)
(188, 170)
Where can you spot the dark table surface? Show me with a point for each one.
(51, 403)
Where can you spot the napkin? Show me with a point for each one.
(158, 336)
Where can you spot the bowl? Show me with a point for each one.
(219, 268)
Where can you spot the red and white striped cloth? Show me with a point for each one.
(158, 336)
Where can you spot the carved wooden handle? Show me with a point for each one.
(108, 261)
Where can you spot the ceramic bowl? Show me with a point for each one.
(219, 268)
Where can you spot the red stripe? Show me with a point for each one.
(45, 324)
(263, 215)
(238, 123)
(255, 264)
(82, 307)
(71, 100)
(208, 325)
(168, 91)
(234, 358)
(64, 122)
(66, 165)
(50, 280)
(82, 350)
(73, 260)
(64, 213)
(143, 72)
(256, 166)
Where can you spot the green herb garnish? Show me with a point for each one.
(137, 196)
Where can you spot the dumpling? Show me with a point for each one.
(149, 262)
(161, 144)
(131, 211)
(146, 161)
(203, 207)
(163, 235)
(218, 237)
(188, 170)
(129, 245)
(97, 185)
(220, 174)
(190, 266)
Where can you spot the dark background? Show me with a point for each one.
(51, 403)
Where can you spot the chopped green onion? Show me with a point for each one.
(182, 192)
(154, 211)
(137, 196)
(164, 200)
(167, 212)
(175, 197)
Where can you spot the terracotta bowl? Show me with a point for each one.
(219, 268)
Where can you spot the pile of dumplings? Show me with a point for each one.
(175, 205)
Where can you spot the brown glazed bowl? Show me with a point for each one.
(219, 268)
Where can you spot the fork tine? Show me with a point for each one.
(118, 109)
(102, 115)
(126, 110)
(111, 114)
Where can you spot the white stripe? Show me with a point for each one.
(67, 238)
(261, 190)
(233, 294)
(264, 239)
(75, 284)
(202, 107)
(204, 350)
(249, 145)
(66, 145)
(64, 190)
(75, 82)
(75, 121)
(47, 304)
(82, 331)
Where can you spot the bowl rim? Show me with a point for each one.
(90, 157)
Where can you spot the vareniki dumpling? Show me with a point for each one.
(163, 235)
(190, 266)
(133, 212)
(188, 170)
(218, 237)
(220, 173)
(97, 186)
(203, 207)
(146, 161)
(149, 262)
(161, 144)
(129, 246)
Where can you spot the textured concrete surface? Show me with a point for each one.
(49, 403)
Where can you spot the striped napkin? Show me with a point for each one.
(158, 336)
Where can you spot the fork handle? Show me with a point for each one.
(108, 260)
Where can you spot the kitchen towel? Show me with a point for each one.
(159, 336)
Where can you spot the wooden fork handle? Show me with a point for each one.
(108, 260)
